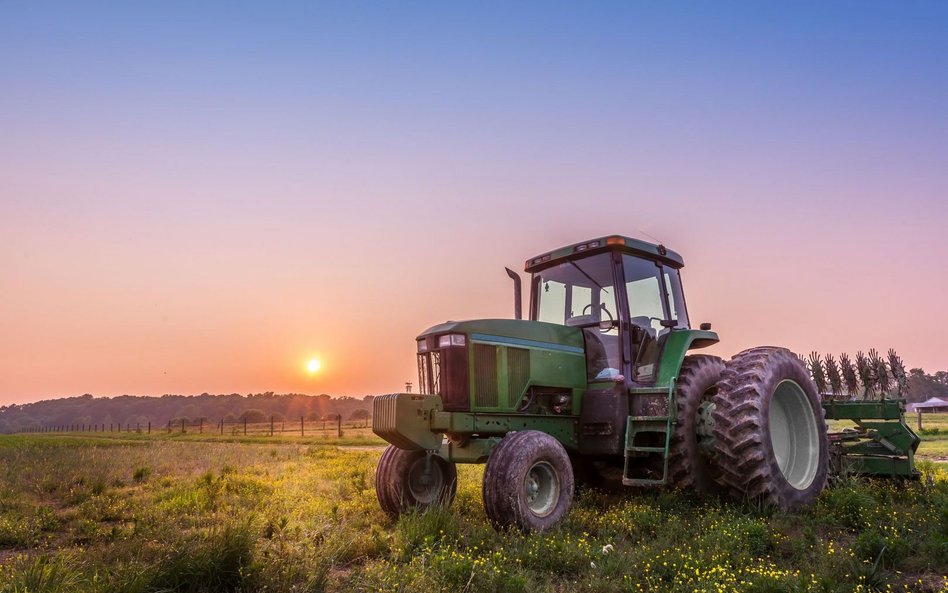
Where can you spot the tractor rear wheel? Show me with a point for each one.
(769, 432)
(528, 482)
(689, 466)
(413, 479)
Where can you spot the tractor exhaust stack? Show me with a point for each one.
(518, 307)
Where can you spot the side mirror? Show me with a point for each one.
(669, 323)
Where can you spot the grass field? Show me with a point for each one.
(934, 433)
(193, 513)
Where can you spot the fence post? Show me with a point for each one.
(301, 427)
(182, 426)
(222, 426)
(149, 427)
(169, 427)
(919, 412)
(271, 424)
(339, 425)
(201, 426)
(138, 427)
(245, 425)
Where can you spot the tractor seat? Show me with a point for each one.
(643, 322)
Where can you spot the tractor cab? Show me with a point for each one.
(624, 294)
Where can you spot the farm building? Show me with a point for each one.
(933, 404)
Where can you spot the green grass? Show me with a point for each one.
(197, 513)
(934, 433)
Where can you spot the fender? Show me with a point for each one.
(677, 345)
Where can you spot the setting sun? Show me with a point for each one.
(312, 366)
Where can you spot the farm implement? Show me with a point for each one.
(601, 381)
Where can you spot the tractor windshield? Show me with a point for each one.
(581, 293)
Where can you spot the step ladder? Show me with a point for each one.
(637, 455)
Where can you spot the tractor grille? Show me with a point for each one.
(518, 373)
(444, 373)
(485, 375)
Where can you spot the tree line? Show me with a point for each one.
(133, 410)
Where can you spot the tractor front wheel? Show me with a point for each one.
(413, 479)
(528, 482)
(769, 431)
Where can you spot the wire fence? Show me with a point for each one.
(329, 426)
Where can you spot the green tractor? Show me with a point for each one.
(601, 381)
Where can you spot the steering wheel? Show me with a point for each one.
(601, 306)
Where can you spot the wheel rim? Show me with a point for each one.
(425, 480)
(541, 488)
(793, 434)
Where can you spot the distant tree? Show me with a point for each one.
(190, 411)
(134, 420)
(253, 416)
(359, 414)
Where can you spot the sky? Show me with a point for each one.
(201, 197)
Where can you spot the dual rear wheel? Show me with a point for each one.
(769, 429)
(752, 428)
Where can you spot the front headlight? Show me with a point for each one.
(422, 345)
(449, 340)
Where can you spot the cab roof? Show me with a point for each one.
(609, 242)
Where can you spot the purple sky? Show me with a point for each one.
(203, 197)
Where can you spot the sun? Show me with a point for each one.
(312, 366)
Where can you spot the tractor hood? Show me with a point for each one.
(513, 332)
(491, 365)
